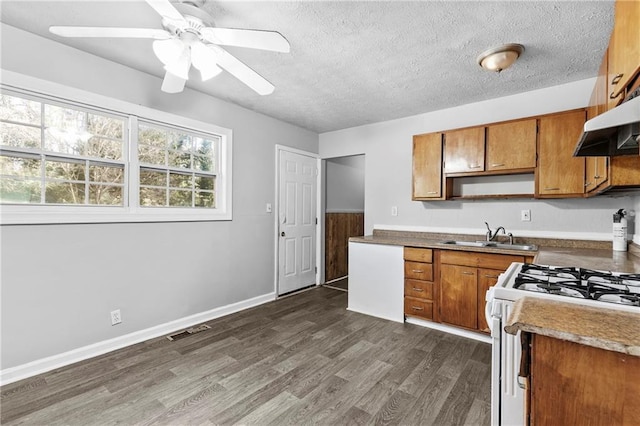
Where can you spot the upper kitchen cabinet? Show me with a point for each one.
(511, 145)
(427, 167)
(559, 174)
(464, 150)
(624, 50)
(597, 167)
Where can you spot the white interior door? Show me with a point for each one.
(296, 221)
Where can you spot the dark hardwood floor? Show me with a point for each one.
(303, 359)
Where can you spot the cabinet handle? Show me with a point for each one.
(417, 308)
(491, 276)
(596, 177)
(497, 165)
(615, 80)
(416, 289)
(552, 189)
(417, 271)
(474, 166)
(467, 273)
(587, 184)
(432, 192)
(614, 95)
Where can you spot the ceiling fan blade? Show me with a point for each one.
(110, 32)
(167, 10)
(172, 83)
(242, 72)
(254, 39)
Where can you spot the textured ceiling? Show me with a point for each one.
(359, 62)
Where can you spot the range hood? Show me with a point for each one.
(616, 132)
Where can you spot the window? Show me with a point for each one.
(177, 168)
(63, 161)
(58, 155)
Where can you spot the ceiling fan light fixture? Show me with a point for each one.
(180, 67)
(501, 57)
(204, 60)
(168, 51)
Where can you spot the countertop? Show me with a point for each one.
(578, 253)
(608, 329)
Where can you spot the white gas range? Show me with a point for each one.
(603, 289)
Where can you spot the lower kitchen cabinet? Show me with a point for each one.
(418, 282)
(459, 295)
(486, 278)
(569, 384)
(465, 278)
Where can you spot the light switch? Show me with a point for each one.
(268, 207)
(394, 211)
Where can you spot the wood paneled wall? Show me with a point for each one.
(338, 228)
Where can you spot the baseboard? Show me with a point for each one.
(374, 315)
(13, 374)
(451, 330)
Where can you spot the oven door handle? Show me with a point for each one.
(488, 308)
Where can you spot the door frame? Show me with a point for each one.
(276, 212)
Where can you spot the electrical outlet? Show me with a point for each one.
(394, 211)
(269, 208)
(525, 215)
(116, 318)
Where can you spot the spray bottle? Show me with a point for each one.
(619, 231)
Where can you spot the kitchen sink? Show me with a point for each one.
(491, 244)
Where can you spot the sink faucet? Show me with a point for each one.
(491, 235)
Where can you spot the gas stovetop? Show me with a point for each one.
(602, 286)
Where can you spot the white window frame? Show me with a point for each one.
(48, 214)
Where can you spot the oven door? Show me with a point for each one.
(494, 322)
(512, 410)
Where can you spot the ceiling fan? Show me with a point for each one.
(189, 38)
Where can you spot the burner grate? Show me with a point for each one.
(591, 284)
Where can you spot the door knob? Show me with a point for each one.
(282, 234)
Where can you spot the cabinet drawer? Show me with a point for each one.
(418, 271)
(482, 260)
(419, 289)
(418, 254)
(418, 308)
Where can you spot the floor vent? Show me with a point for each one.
(188, 332)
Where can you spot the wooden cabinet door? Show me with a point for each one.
(558, 172)
(596, 172)
(464, 150)
(427, 166)
(573, 384)
(597, 167)
(511, 145)
(459, 295)
(624, 49)
(486, 278)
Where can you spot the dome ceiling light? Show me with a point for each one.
(501, 57)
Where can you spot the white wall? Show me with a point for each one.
(387, 146)
(345, 184)
(59, 282)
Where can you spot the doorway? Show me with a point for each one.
(296, 216)
(344, 215)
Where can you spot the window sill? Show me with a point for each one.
(40, 215)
